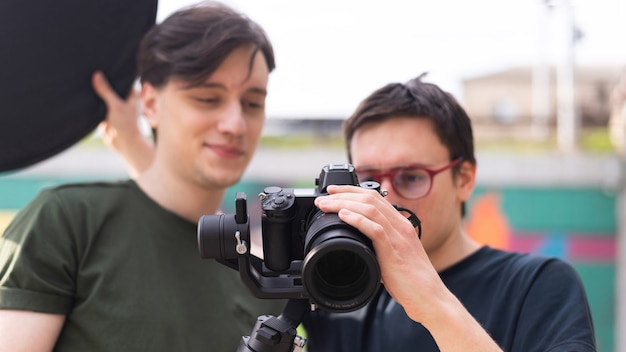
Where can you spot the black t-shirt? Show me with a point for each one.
(526, 303)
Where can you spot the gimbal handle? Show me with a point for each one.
(271, 334)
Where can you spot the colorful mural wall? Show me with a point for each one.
(576, 224)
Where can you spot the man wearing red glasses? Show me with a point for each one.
(444, 292)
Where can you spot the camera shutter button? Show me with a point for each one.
(278, 202)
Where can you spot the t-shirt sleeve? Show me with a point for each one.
(555, 315)
(38, 259)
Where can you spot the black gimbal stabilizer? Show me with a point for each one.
(310, 257)
(307, 254)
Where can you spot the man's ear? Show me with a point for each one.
(149, 102)
(465, 180)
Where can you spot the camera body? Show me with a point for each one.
(307, 253)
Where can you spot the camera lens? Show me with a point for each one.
(340, 272)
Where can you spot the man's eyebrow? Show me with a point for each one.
(391, 168)
(206, 85)
(215, 85)
(257, 90)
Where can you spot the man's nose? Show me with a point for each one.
(232, 120)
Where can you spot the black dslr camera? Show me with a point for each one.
(308, 254)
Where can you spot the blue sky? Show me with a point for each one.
(332, 53)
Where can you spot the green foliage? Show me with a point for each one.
(300, 141)
(596, 140)
(592, 140)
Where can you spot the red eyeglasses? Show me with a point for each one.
(410, 182)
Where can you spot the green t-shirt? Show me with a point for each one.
(126, 273)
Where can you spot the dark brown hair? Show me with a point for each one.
(192, 42)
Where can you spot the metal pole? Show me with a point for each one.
(617, 129)
(567, 122)
(541, 81)
(620, 261)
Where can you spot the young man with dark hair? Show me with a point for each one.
(444, 292)
(114, 266)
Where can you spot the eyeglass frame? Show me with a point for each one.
(378, 176)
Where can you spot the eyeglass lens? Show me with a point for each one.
(411, 183)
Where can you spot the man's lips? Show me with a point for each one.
(226, 151)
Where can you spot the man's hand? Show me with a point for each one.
(406, 270)
(120, 129)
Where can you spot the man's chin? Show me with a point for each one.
(228, 179)
(224, 175)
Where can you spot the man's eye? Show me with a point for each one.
(207, 100)
(253, 105)
(414, 177)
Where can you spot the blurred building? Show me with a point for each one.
(507, 104)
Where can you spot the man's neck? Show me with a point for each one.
(185, 199)
(454, 250)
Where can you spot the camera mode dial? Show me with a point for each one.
(277, 202)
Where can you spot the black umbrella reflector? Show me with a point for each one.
(49, 50)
